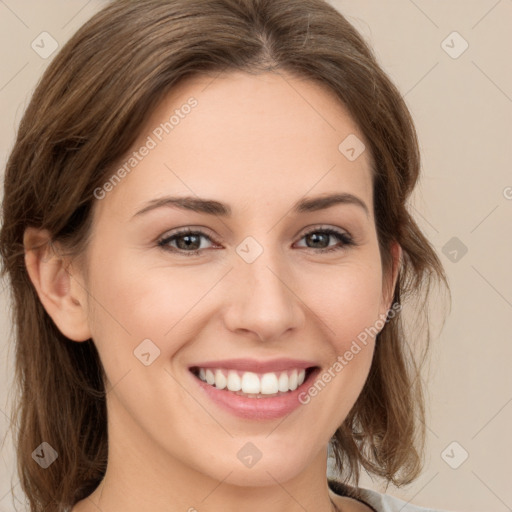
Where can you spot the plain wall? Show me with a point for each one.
(462, 106)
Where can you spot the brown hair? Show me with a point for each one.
(85, 114)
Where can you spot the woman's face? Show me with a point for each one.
(270, 297)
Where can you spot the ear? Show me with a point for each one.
(58, 287)
(389, 281)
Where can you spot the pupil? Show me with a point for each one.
(187, 244)
(316, 237)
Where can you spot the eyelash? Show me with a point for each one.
(346, 240)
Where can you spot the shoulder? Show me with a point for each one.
(386, 503)
(380, 502)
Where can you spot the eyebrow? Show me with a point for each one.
(212, 207)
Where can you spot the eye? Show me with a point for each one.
(185, 239)
(320, 237)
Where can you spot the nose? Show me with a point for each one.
(262, 299)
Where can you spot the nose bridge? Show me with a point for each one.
(264, 301)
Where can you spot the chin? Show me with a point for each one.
(273, 465)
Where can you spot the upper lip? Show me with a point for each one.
(255, 365)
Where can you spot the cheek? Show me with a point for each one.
(130, 303)
(356, 315)
(347, 299)
(347, 304)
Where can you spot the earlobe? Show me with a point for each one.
(61, 295)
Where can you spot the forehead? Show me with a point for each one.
(247, 140)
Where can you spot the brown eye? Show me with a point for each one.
(319, 239)
(188, 242)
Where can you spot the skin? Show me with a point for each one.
(258, 143)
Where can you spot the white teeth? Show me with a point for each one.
(220, 381)
(253, 384)
(283, 382)
(269, 384)
(292, 381)
(234, 381)
(210, 378)
(250, 383)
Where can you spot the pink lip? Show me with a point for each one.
(256, 408)
(253, 365)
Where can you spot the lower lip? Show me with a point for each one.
(256, 408)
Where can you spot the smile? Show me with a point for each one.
(251, 384)
(255, 390)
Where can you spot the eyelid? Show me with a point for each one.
(195, 230)
(188, 228)
(303, 232)
(320, 227)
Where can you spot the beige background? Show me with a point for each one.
(463, 110)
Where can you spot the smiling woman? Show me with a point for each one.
(195, 332)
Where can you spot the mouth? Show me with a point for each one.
(253, 390)
(251, 384)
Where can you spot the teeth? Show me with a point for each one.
(283, 382)
(252, 384)
(210, 377)
(269, 384)
(220, 381)
(234, 381)
(292, 382)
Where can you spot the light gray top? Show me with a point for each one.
(385, 503)
(378, 501)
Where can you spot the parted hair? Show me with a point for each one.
(85, 114)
